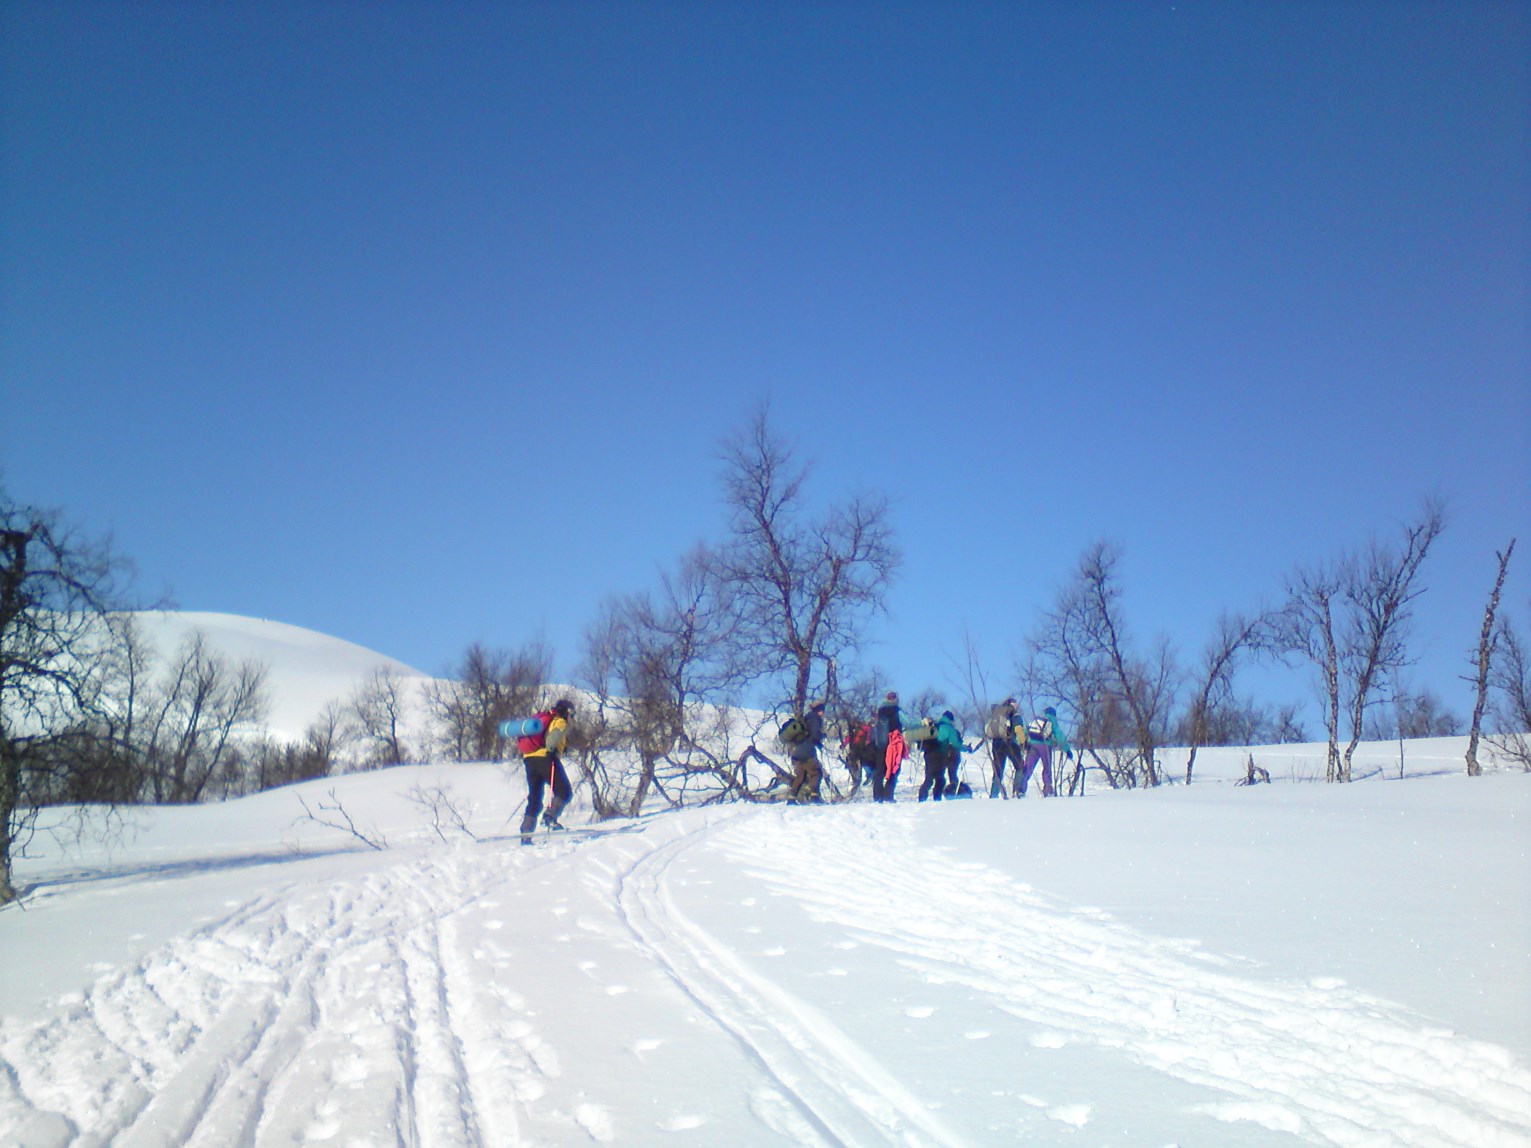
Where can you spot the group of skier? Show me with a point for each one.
(875, 751)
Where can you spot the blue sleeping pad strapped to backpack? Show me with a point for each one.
(521, 727)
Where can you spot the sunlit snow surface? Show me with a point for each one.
(1204, 965)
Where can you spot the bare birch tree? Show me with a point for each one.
(487, 687)
(56, 589)
(1483, 662)
(1349, 619)
(661, 667)
(1511, 683)
(1381, 592)
(1144, 687)
(1310, 630)
(377, 711)
(281, 763)
(804, 586)
(1234, 636)
(1081, 656)
(186, 738)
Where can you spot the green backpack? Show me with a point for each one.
(793, 731)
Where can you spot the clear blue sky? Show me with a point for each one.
(418, 324)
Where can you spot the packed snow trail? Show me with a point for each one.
(1319, 1060)
(843, 1093)
(749, 976)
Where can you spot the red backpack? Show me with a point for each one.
(532, 742)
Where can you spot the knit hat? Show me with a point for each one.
(892, 696)
(1050, 712)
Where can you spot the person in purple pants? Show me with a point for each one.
(1043, 735)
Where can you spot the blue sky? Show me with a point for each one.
(419, 324)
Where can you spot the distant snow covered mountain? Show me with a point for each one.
(307, 669)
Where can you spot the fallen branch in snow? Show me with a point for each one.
(335, 816)
(444, 813)
(1254, 774)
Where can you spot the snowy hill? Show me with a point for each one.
(307, 669)
(1205, 965)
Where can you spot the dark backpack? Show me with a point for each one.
(877, 735)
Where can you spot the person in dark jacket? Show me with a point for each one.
(861, 758)
(888, 739)
(806, 770)
(935, 768)
(1003, 747)
(544, 768)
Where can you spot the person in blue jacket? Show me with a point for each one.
(1043, 735)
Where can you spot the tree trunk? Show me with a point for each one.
(1485, 661)
(9, 785)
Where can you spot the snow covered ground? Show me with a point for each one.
(1193, 966)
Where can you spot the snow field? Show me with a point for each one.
(853, 975)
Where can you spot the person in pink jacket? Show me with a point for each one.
(888, 736)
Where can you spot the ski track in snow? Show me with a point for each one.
(367, 1011)
(1318, 1060)
(349, 1012)
(808, 1059)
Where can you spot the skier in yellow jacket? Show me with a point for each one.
(544, 767)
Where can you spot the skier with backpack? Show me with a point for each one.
(888, 743)
(1004, 746)
(806, 771)
(1043, 735)
(541, 753)
(943, 751)
(924, 736)
(861, 757)
(950, 738)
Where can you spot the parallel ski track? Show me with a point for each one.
(808, 1057)
(298, 1015)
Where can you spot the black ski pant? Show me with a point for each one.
(542, 771)
(935, 776)
(1002, 749)
(882, 784)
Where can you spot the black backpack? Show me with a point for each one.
(877, 737)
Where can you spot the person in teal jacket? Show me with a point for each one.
(950, 738)
(1044, 735)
